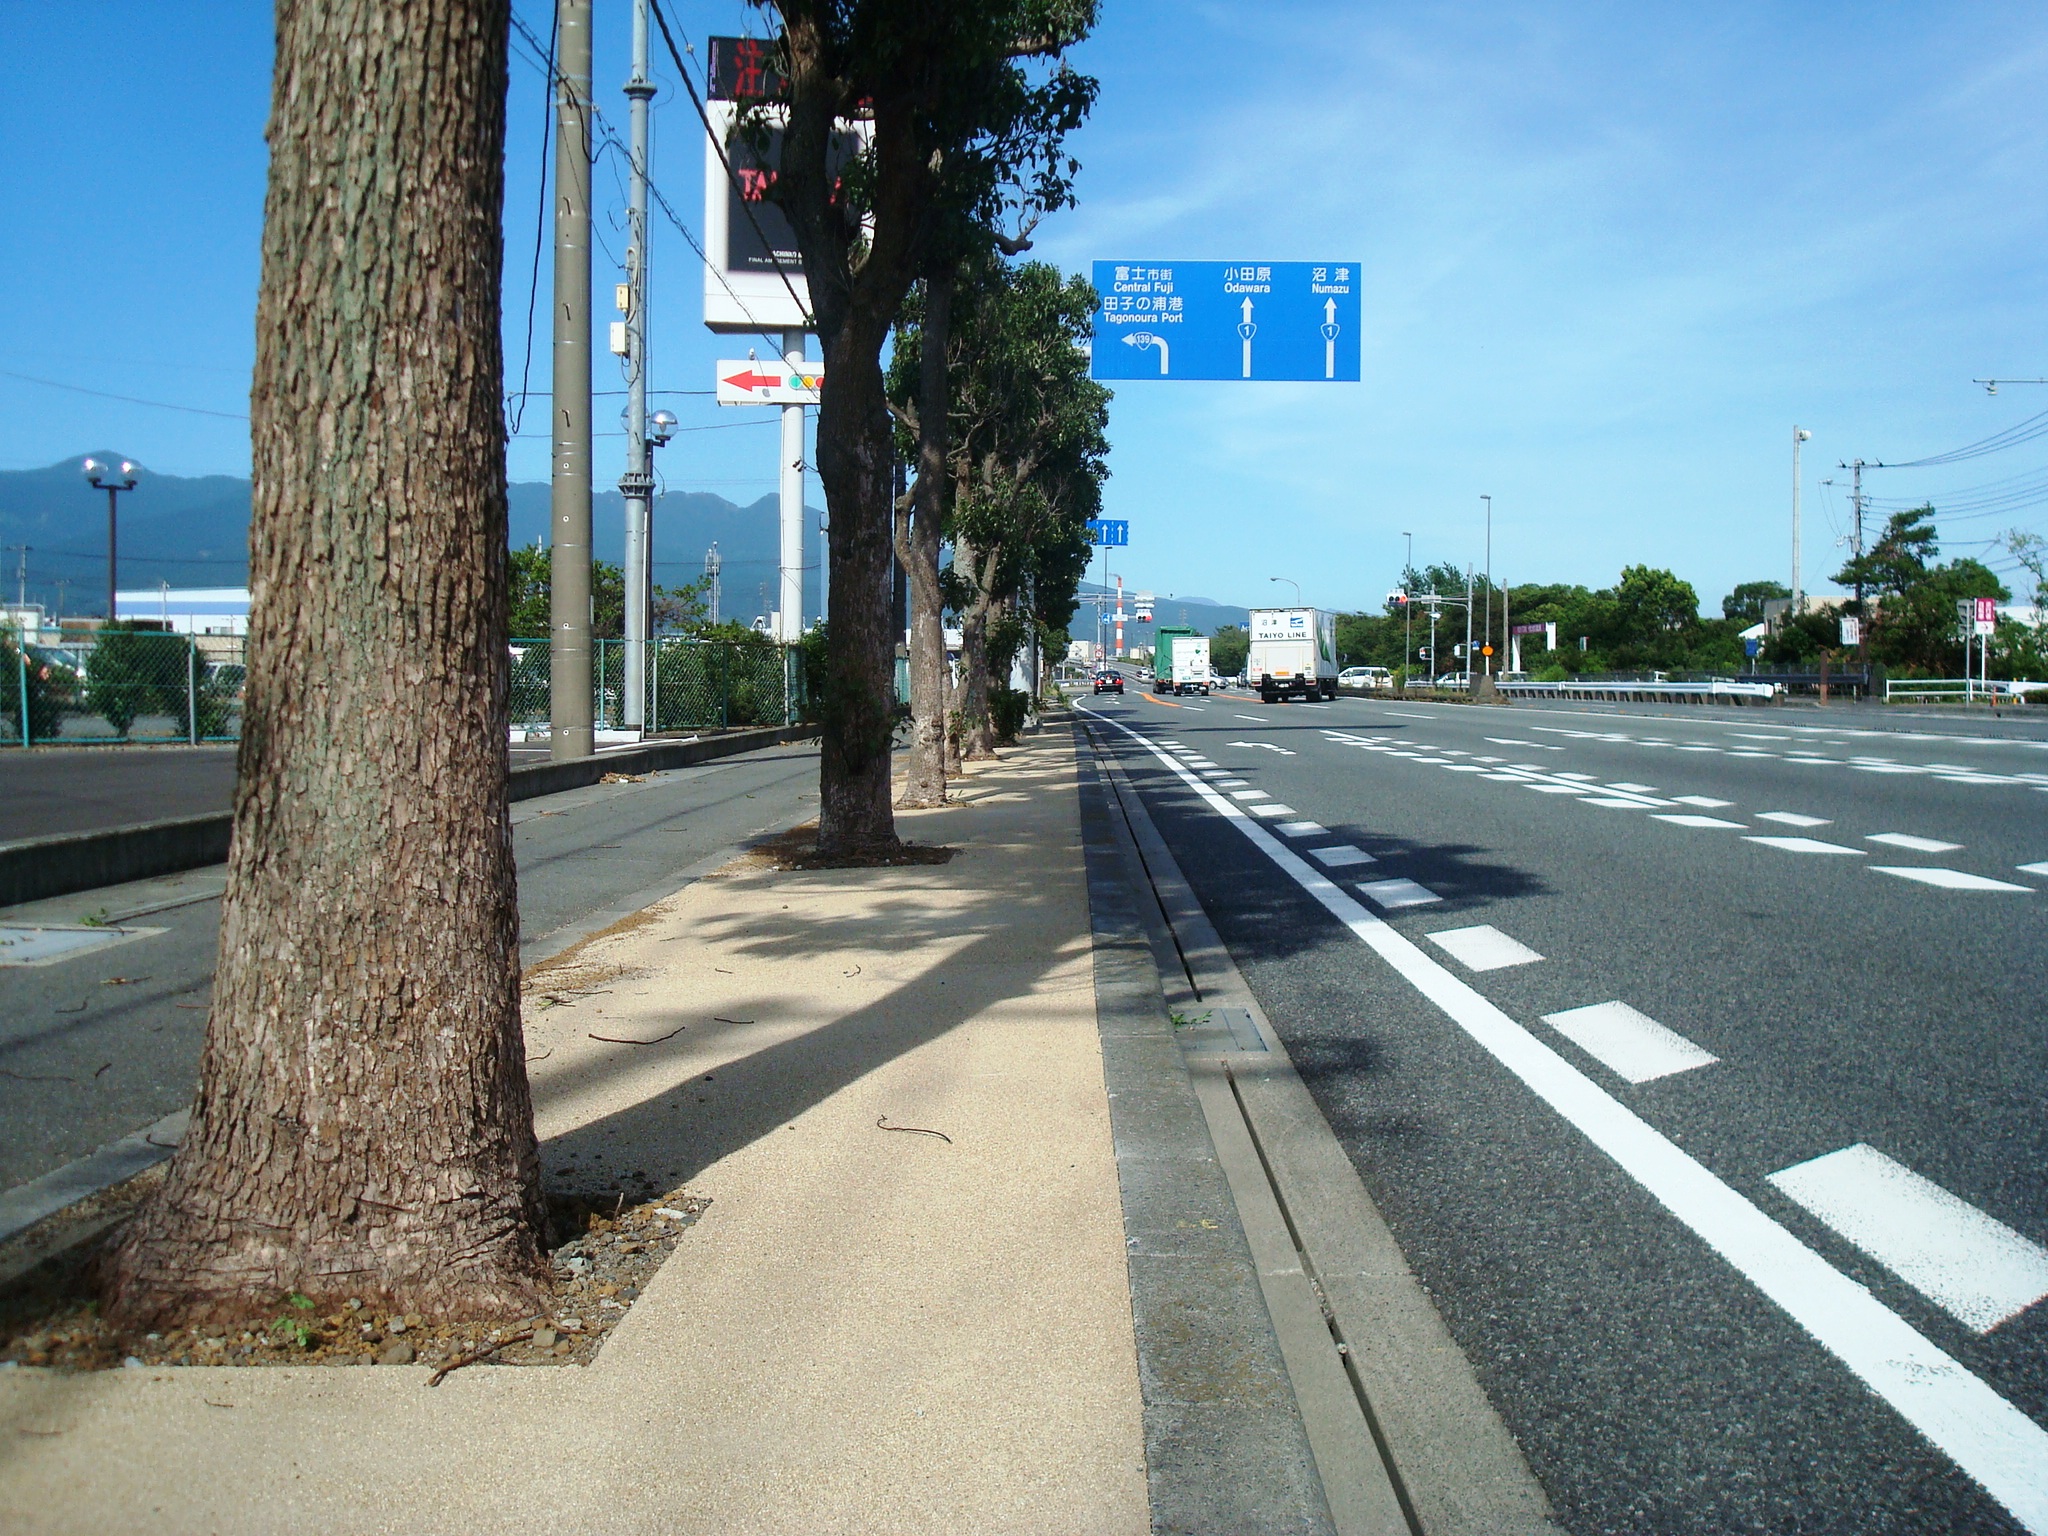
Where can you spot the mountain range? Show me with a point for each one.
(193, 531)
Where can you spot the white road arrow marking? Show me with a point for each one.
(1264, 746)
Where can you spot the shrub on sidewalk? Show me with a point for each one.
(1007, 710)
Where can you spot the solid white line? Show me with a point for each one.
(1960, 1415)
(1911, 843)
(1695, 821)
(1340, 856)
(1397, 893)
(1632, 1045)
(1948, 879)
(1794, 819)
(1972, 1265)
(1483, 948)
(1803, 845)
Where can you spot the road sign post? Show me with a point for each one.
(1286, 320)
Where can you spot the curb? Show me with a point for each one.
(1225, 1445)
(39, 867)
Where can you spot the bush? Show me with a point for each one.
(1007, 710)
(127, 674)
(51, 686)
(1553, 674)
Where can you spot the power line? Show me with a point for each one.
(517, 413)
(101, 394)
(2024, 432)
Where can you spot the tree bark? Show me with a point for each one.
(926, 782)
(363, 1125)
(977, 735)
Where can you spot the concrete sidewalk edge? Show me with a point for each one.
(1225, 1446)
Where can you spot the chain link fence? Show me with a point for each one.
(122, 685)
(691, 684)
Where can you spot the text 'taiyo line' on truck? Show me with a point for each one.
(1180, 660)
(1293, 654)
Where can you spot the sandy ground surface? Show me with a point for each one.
(868, 1330)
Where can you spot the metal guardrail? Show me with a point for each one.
(1715, 691)
(1961, 690)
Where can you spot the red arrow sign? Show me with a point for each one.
(752, 380)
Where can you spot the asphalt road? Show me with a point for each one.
(1758, 1250)
(99, 1045)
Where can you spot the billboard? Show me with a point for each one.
(751, 260)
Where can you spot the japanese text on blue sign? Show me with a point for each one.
(1282, 320)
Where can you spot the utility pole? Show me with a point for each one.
(637, 483)
(1468, 625)
(569, 700)
(1407, 613)
(21, 574)
(1799, 435)
(714, 566)
(1856, 538)
(790, 612)
(1489, 584)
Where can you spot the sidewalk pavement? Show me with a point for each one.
(866, 1331)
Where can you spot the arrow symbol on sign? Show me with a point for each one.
(1247, 330)
(1144, 341)
(751, 380)
(1330, 330)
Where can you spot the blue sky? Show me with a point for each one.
(1610, 256)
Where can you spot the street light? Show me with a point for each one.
(1292, 583)
(113, 479)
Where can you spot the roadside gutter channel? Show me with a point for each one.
(1402, 1436)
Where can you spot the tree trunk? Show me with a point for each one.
(363, 1125)
(977, 735)
(926, 784)
(858, 711)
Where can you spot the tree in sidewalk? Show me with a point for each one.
(363, 1125)
(531, 576)
(953, 109)
(1028, 458)
(1745, 605)
(919, 396)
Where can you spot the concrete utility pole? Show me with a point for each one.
(1799, 435)
(1468, 625)
(1856, 537)
(714, 565)
(789, 623)
(1408, 614)
(637, 483)
(21, 574)
(1488, 641)
(569, 700)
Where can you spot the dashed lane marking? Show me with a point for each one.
(1249, 794)
(2033, 869)
(1704, 802)
(1958, 1413)
(1803, 845)
(1793, 819)
(1392, 894)
(1341, 856)
(1697, 821)
(1911, 843)
(1483, 948)
(1948, 879)
(1275, 809)
(1303, 828)
(1632, 1045)
(1971, 1265)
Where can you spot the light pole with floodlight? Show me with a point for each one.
(1292, 583)
(113, 479)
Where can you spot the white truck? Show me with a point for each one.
(1293, 653)
(1190, 665)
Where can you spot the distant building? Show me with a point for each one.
(188, 610)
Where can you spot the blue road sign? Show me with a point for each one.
(1227, 320)
(1109, 532)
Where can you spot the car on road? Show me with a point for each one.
(1457, 680)
(1109, 682)
(1365, 677)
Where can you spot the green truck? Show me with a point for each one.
(1180, 660)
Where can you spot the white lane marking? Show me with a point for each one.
(1758, 736)
(1623, 802)
(1821, 762)
(1306, 705)
(1464, 768)
(1793, 819)
(2032, 869)
(1970, 1264)
(1803, 845)
(1483, 948)
(1704, 802)
(1585, 778)
(1509, 778)
(1409, 715)
(1635, 789)
(1695, 821)
(1341, 856)
(1255, 719)
(1275, 809)
(1398, 893)
(1231, 783)
(1303, 828)
(1215, 773)
(1265, 746)
(1885, 768)
(1911, 843)
(1556, 789)
(1959, 1414)
(1738, 752)
(1632, 1045)
(1249, 794)
(1510, 741)
(1200, 762)
(1948, 879)
(1196, 709)
(1698, 749)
